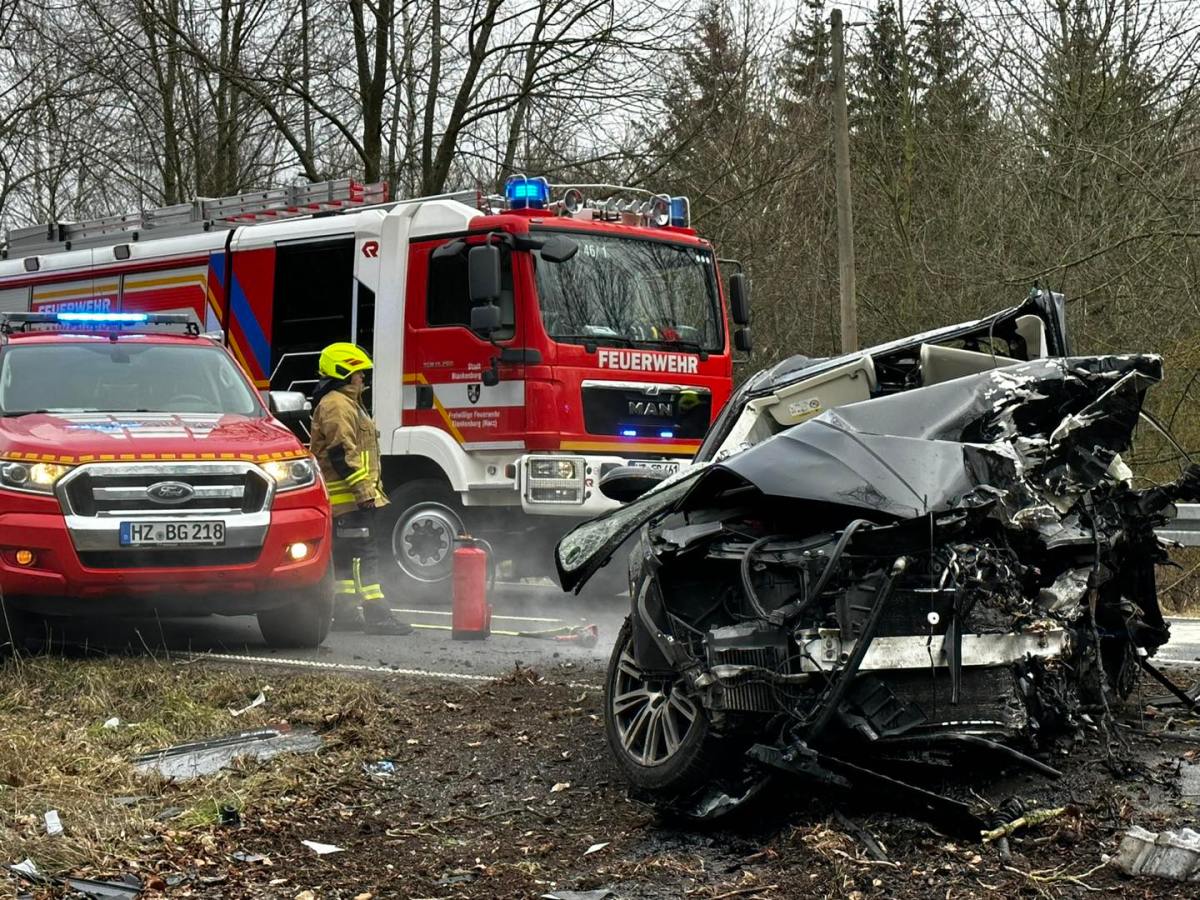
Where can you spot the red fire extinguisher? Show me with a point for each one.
(473, 576)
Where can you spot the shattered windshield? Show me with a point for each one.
(122, 377)
(627, 292)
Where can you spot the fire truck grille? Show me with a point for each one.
(157, 489)
(646, 410)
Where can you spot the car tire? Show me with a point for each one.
(658, 755)
(416, 538)
(302, 623)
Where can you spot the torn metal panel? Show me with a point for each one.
(824, 652)
(193, 760)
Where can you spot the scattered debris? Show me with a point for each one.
(560, 786)
(229, 816)
(1167, 854)
(112, 724)
(193, 760)
(26, 867)
(53, 823)
(601, 894)
(382, 768)
(873, 847)
(243, 856)
(257, 701)
(458, 876)
(106, 890)
(322, 849)
(595, 848)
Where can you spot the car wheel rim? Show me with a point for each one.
(423, 541)
(652, 715)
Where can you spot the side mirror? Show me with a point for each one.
(739, 298)
(287, 403)
(485, 319)
(741, 340)
(483, 273)
(558, 248)
(626, 483)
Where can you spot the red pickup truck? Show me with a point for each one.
(142, 473)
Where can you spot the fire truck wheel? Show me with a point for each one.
(302, 623)
(420, 525)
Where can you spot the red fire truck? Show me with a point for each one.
(523, 344)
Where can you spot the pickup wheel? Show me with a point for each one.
(417, 533)
(302, 623)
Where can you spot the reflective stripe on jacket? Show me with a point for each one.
(340, 421)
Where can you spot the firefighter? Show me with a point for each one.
(346, 445)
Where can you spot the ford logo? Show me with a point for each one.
(170, 492)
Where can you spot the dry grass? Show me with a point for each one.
(56, 754)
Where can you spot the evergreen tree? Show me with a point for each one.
(952, 101)
(806, 54)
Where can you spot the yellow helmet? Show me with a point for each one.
(341, 360)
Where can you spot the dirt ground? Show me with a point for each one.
(501, 789)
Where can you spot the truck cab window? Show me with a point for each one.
(448, 301)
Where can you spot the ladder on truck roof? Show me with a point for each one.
(195, 217)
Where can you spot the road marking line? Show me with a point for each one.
(352, 667)
(439, 612)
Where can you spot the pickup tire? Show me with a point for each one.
(416, 539)
(302, 623)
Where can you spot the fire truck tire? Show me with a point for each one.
(417, 533)
(303, 623)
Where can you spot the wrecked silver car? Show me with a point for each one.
(924, 548)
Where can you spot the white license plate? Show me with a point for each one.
(658, 465)
(172, 534)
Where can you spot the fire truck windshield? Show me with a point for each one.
(628, 292)
(122, 376)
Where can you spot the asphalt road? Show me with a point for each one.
(429, 649)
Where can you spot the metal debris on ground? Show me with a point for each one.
(381, 768)
(1167, 854)
(322, 849)
(873, 847)
(601, 894)
(243, 856)
(193, 760)
(595, 848)
(53, 823)
(106, 890)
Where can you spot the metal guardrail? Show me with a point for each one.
(1185, 527)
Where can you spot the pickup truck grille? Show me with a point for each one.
(130, 490)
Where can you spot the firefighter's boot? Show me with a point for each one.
(377, 615)
(346, 613)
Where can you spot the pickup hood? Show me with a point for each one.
(77, 435)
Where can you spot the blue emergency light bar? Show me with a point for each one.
(13, 321)
(527, 193)
(101, 318)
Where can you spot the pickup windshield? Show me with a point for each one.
(122, 377)
(630, 292)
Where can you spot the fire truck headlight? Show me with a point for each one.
(552, 468)
(291, 473)
(37, 477)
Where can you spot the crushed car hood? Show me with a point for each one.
(951, 445)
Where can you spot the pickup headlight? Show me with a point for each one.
(39, 478)
(291, 473)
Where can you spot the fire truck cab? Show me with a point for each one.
(524, 345)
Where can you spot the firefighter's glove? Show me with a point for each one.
(367, 504)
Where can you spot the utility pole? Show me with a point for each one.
(841, 143)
